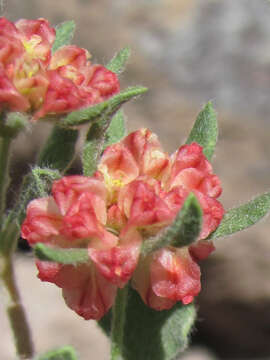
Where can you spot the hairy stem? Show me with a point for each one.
(4, 176)
(15, 311)
(118, 324)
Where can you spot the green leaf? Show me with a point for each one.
(182, 232)
(242, 217)
(205, 130)
(159, 335)
(64, 34)
(106, 108)
(118, 62)
(94, 146)
(62, 256)
(116, 131)
(151, 334)
(59, 149)
(63, 353)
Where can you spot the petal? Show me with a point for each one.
(40, 27)
(69, 55)
(11, 46)
(9, 96)
(118, 263)
(141, 283)
(174, 275)
(143, 206)
(118, 168)
(67, 190)
(116, 218)
(47, 270)
(83, 221)
(37, 37)
(43, 221)
(85, 291)
(148, 153)
(8, 28)
(189, 157)
(213, 213)
(31, 80)
(211, 186)
(175, 198)
(95, 295)
(62, 96)
(189, 179)
(100, 80)
(201, 249)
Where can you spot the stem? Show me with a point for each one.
(118, 324)
(4, 176)
(15, 312)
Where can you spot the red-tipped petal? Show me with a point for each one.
(118, 263)
(43, 221)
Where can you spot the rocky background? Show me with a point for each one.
(187, 52)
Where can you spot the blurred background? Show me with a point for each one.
(186, 52)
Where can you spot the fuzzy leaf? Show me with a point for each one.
(64, 34)
(62, 256)
(59, 150)
(205, 130)
(118, 62)
(94, 146)
(242, 217)
(116, 131)
(106, 108)
(151, 334)
(183, 231)
(64, 353)
(159, 335)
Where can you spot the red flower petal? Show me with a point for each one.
(118, 263)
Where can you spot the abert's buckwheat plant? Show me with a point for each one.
(124, 239)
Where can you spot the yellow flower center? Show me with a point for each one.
(113, 185)
(30, 46)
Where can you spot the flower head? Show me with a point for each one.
(37, 81)
(136, 192)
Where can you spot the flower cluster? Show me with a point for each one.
(34, 79)
(136, 192)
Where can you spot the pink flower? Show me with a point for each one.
(149, 188)
(140, 177)
(136, 192)
(75, 216)
(41, 83)
(85, 291)
(167, 276)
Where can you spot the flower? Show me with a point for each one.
(37, 81)
(75, 216)
(137, 191)
(149, 188)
